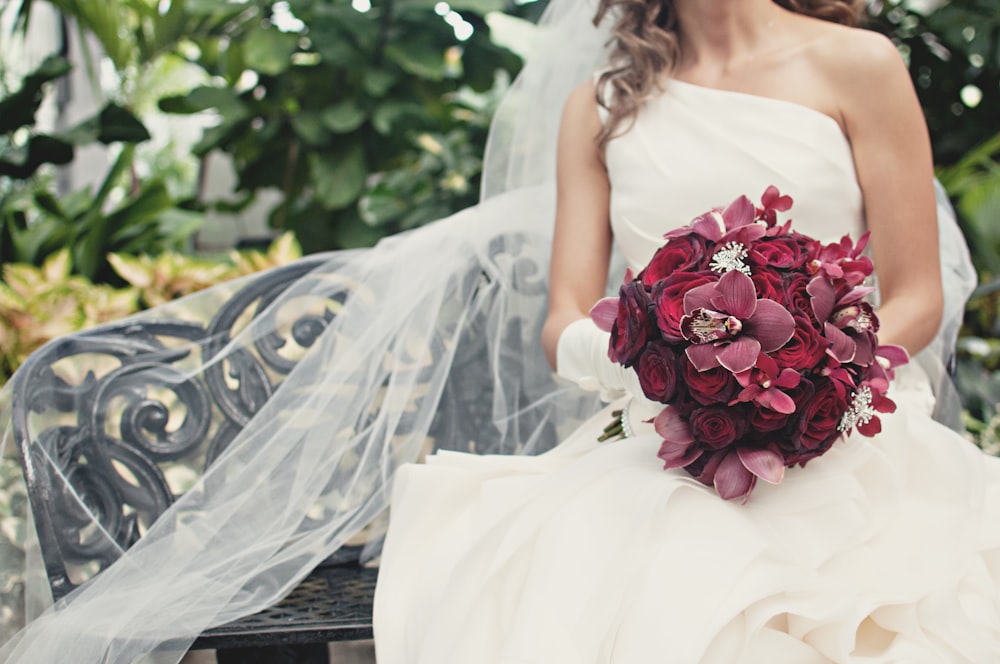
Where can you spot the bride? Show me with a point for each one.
(884, 549)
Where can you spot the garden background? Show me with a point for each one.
(151, 148)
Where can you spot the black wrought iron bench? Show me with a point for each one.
(114, 442)
(133, 413)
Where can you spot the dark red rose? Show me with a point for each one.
(679, 253)
(820, 416)
(718, 426)
(797, 300)
(766, 420)
(783, 251)
(633, 326)
(716, 385)
(657, 369)
(668, 300)
(769, 285)
(805, 350)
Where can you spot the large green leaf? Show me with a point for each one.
(311, 127)
(18, 109)
(22, 162)
(112, 124)
(344, 117)
(269, 51)
(338, 175)
(420, 58)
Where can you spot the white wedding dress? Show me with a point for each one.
(886, 549)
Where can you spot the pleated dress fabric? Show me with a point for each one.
(886, 549)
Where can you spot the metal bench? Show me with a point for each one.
(114, 444)
(117, 426)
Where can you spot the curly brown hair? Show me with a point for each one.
(645, 46)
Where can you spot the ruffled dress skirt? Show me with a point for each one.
(886, 549)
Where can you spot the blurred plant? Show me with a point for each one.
(314, 96)
(953, 52)
(168, 276)
(35, 223)
(40, 303)
(439, 175)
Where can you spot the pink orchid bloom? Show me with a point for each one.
(849, 323)
(771, 203)
(735, 223)
(737, 475)
(843, 260)
(728, 326)
(762, 384)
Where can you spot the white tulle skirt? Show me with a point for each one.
(886, 549)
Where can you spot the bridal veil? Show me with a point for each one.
(456, 304)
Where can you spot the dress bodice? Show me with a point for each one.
(693, 148)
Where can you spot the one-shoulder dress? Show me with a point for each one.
(885, 549)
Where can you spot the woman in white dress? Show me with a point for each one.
(883, 550)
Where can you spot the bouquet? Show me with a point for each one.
(757, 339)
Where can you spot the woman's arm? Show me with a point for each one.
(581, 246)
(892, 155)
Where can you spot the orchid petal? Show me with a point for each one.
(703, 356)
(678, 456)
(739, 355)
(735, 294)
(709, 225)
(739, 213)
(885, 405)
(672, 427)
(870, 428)
(862, 243)
(864, 349)
(605, 313)
(777, 401)
(770, 324)
(841, 345)
(895, 355)
(822, 297)
(699, 297)
(745, 235)
(732, 478)
(766, 464)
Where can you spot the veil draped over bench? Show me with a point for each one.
(381, 342)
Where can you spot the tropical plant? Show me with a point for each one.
(313, 97)
(35, 223)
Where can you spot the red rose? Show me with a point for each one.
(657, 369)
(782, 251)
(668, 300)
(769, 285)
(679, 253)
(632, 327)
(766, 420)
(804, 350)
(718, 426)
(819, 418)
(716, 385)
(796, 299)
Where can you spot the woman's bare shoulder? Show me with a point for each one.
(856, 61)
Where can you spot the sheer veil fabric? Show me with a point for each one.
(368, 396)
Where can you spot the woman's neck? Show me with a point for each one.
(719, 35)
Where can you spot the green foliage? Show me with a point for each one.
(325, 104)
(36, 223)
(954, 57)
